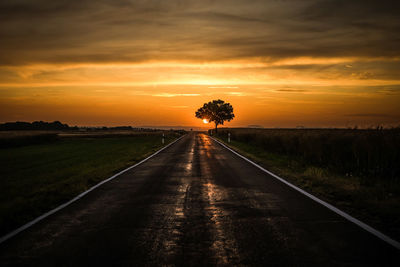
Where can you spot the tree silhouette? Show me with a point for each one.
(216, 111)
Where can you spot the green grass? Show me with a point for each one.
(36, 178)
(376, 202)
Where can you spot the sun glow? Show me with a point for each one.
(205, 120)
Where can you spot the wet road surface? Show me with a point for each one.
(195, 203)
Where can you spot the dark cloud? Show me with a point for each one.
(346, 12)
(45, 31)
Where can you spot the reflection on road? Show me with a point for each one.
(224, 245)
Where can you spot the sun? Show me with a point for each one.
(205, 120)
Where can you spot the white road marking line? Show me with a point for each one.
(364, 226)
(38, 219)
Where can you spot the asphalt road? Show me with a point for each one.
(196, 203)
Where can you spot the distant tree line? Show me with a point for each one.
(36, 125)
(58, 126)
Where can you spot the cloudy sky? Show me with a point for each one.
(280, 63)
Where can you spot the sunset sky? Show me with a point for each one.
(279, 63)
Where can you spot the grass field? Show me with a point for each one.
(356, 170)
(39, 176)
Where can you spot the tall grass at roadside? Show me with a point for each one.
(371, 154)
(355, 170)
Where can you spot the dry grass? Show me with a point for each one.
(373, 155)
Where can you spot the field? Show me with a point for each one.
(356, 170)
(39, 171)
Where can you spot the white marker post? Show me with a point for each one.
(229, 137)
(162, 139)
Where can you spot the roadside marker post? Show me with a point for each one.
(162, 139)
(229, 137)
